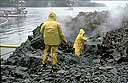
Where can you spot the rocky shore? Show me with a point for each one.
(106, 62)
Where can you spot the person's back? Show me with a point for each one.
(53, 36)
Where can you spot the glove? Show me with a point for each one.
(64, 42)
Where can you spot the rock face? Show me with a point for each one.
(115, 45)
(100, 63)
(89, 21)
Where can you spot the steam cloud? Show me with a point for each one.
(116, 16)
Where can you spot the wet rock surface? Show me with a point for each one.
(115, 45)
(100, 63)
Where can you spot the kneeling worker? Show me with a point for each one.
(53, 36)
(79, 43)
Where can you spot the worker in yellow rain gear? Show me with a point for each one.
(53, 36)
(79, 43)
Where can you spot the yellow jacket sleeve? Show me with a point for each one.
(84, 38)
(61, 34)
(42, 28)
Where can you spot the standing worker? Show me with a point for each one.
(53, 36)
(79, 43)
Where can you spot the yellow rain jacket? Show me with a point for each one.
(79, 42)
(52, 32)
(53, 36)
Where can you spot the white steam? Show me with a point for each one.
(116, 13)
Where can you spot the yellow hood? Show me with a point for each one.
(82, 31)
(52, 16)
